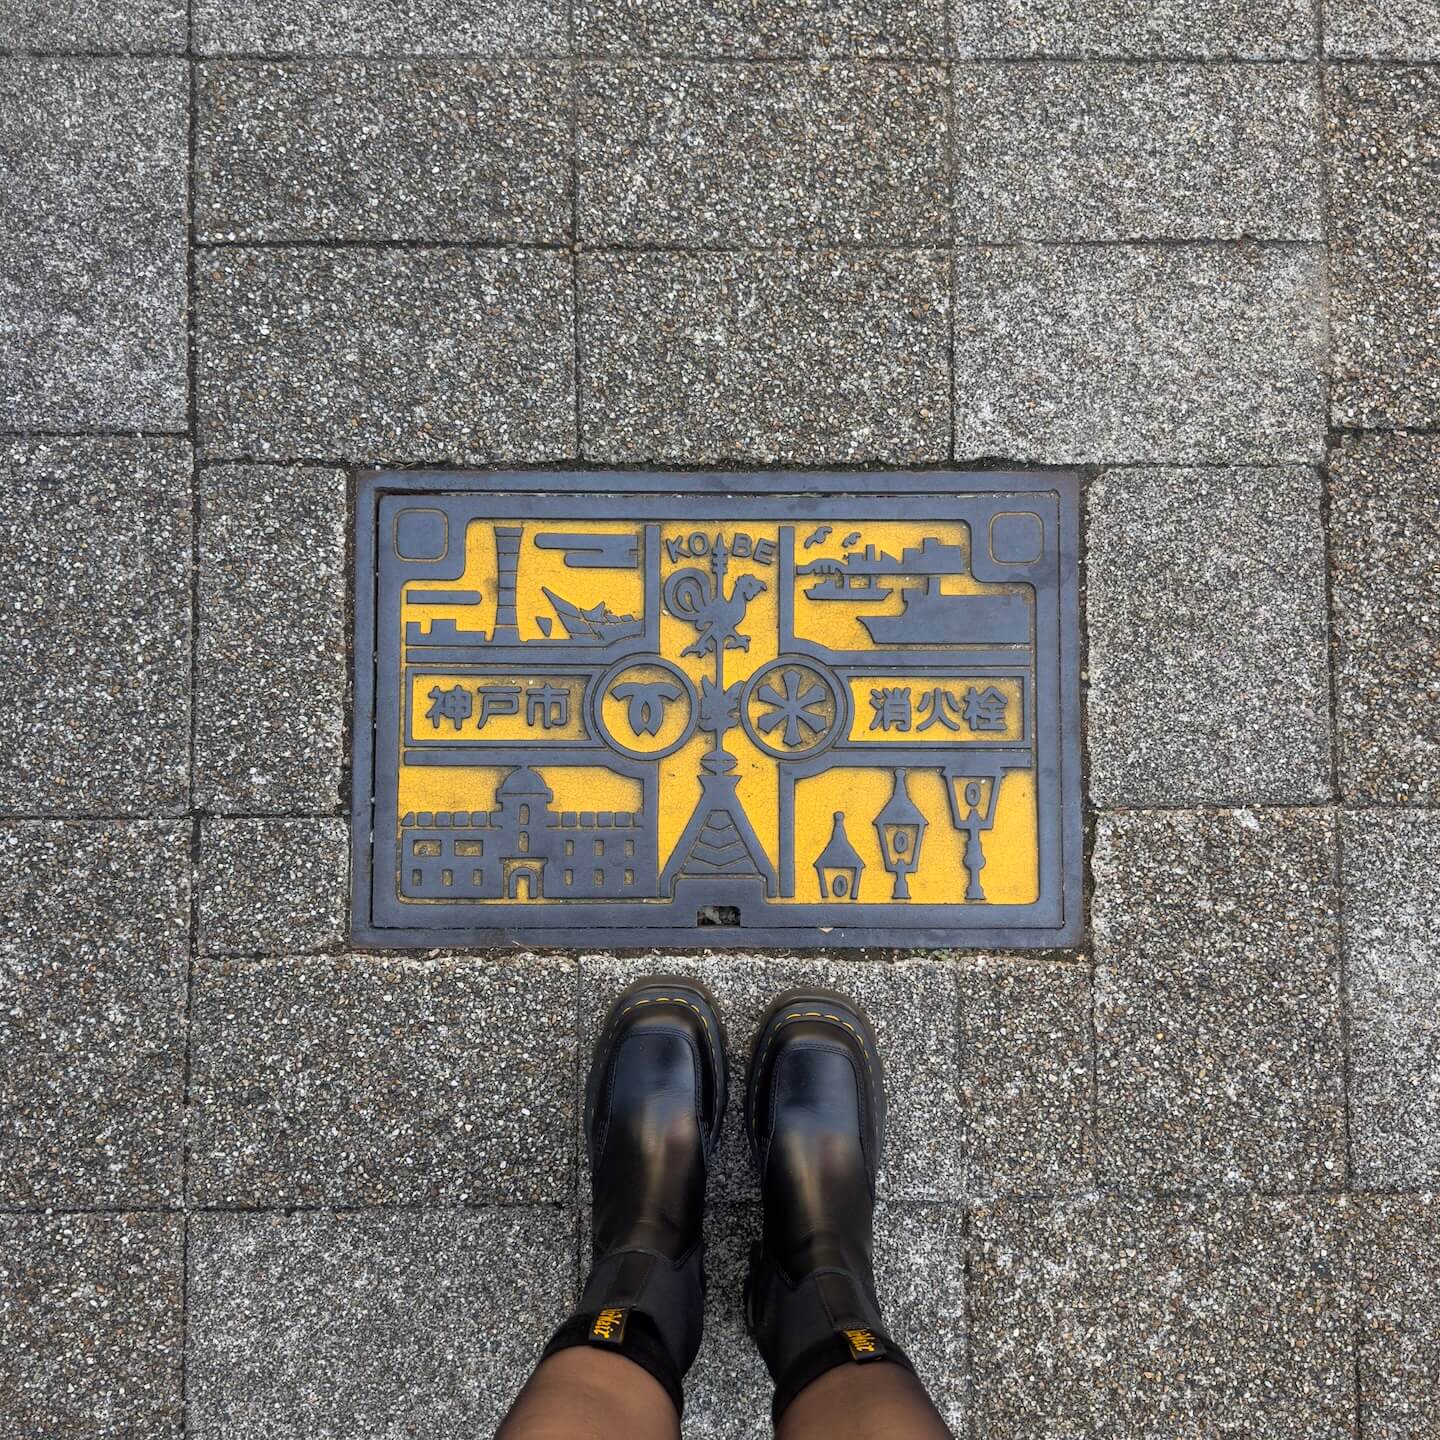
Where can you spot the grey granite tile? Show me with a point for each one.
(1382, 29)
(380, 27)
(276, 886)
(270, 687)
(443, 1315)
(95, 664)
(1139, 353)
(386, 355)
(64, 25)
(1026, 1074)
(1391, 877)
(1397, 1276)
(1130, 1316)
(383, 150)
(1383, 134)
(799, 358)
(363, 1081)
(1385, 561)
(92, 262)
(1121, 29)
(920, 1280)
(759, 29)
(1208, 637)
(700, 154)
(91, 1311)
(1217, 1003)
(93, 954)
(912, 1005)
(1091, 151)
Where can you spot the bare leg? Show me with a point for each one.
(586, 1393)
(862, 1402)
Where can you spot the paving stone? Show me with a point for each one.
(1090, 151)
(1210, 353)
(1382, 29)
(63, 25)
(370, 1081)
(277, 886)
(1217, 1004)
(818, 358)
(92, 261)
(380, 27)
(386, 355)
(1091, 29)
(1391, 873)
(270, 656)
(383, 150)
(757, 29)
(93, 947)
(1383, 130)
(912, 1005)
(1385, 560)
(443, 1315)
(90, 1307)
(702, 154)
(95, 662)
(1025, 1074)
(1131, 1316)
(920, 1279)
(1208, 625)
(1397, 1267)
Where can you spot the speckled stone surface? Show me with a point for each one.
(270, 688)
(920, 1280)
(1384, 189)
(383, 150)
(1397, 1281)
(1382, 29)
(1391, 875)
(1087, 151)
(92, 259)
(1211, 353)
(125, 25)
(273, 886)
(1385, 558)
(1207, 618)
(91, 1311)
(703, 154)
(761, 28)
(1110, 29)
(386, 355)
(1131, 1316)
(444, 1313)
(797, 358)
(95, 659)
(1025, 1075)
(380, 27)
(93, 945)
(366, 1081)
(1217, 1001)
(912, 1006)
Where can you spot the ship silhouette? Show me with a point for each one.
(931, 617)
(598, 623)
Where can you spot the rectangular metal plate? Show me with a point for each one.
(668, 709)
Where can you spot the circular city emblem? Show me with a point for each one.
(793, 709)
(645, 707)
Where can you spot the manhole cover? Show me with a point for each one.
(626, 709)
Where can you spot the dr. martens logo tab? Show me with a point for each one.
(609, 1326)
(864, 1344)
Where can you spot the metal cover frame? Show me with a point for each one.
(1056, 920)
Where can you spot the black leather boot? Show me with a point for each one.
(653, 1107)
(815, 1116)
